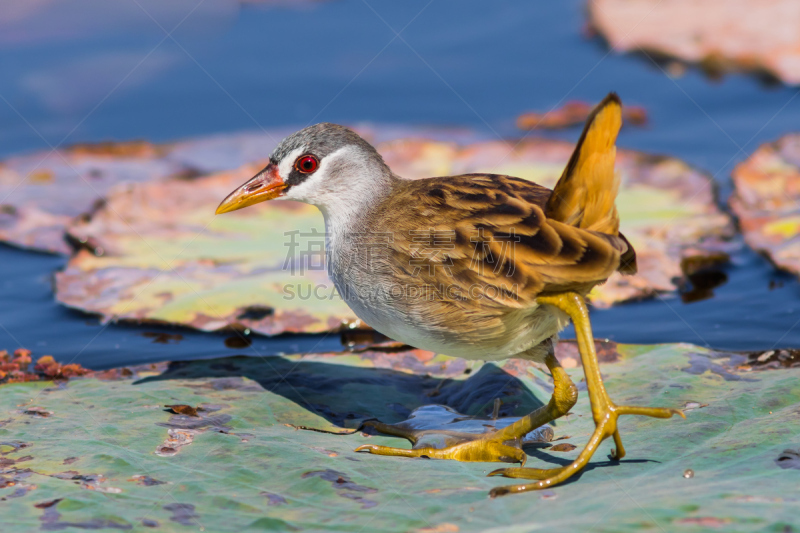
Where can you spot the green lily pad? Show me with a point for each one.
(156, 252)
(716, 34)
(766, 192)
(91, 453)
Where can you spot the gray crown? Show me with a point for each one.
(321, 140)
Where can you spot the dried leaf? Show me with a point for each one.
(46, 368)
(180, 409)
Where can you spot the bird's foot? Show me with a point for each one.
(605, 426)
(457, 437)
(483, 450)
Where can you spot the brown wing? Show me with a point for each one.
(489, 233)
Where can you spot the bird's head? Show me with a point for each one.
(326, 165)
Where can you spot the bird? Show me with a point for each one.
(477, 266)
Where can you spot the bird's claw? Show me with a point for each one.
(605, 426)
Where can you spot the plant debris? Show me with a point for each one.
(146, 481)
(176, 439)
(562, 447)
(771, 359)
(16, 368)
(180, 409)
(37, 412)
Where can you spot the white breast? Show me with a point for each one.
(372, 303)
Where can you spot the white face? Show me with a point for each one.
(286, 166)
(344, 179)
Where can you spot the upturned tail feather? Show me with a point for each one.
(585, 194)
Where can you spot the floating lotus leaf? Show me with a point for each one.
(41, 193)
(765, 198)
(155, 252)
(718, 34)
(103, 453)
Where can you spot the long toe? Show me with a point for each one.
(527, 473)
(655, 412)
(474, 451)
(393, 452)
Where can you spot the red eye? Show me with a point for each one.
(306, 164)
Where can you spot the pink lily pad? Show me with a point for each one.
(765, 198)
(753, 35)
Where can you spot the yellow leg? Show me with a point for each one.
(619, 452)
(604, 411)
(501, 445)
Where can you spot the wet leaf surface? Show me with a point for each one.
(344, 487)
(156, 253)
(274, 499)
(765, 198)
(278, 478)
(718, 35)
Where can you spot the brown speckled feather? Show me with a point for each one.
(510, 239)
(469, 255)
(489, 233)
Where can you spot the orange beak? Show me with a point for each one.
(266, 185)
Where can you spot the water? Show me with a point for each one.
(69, 77)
